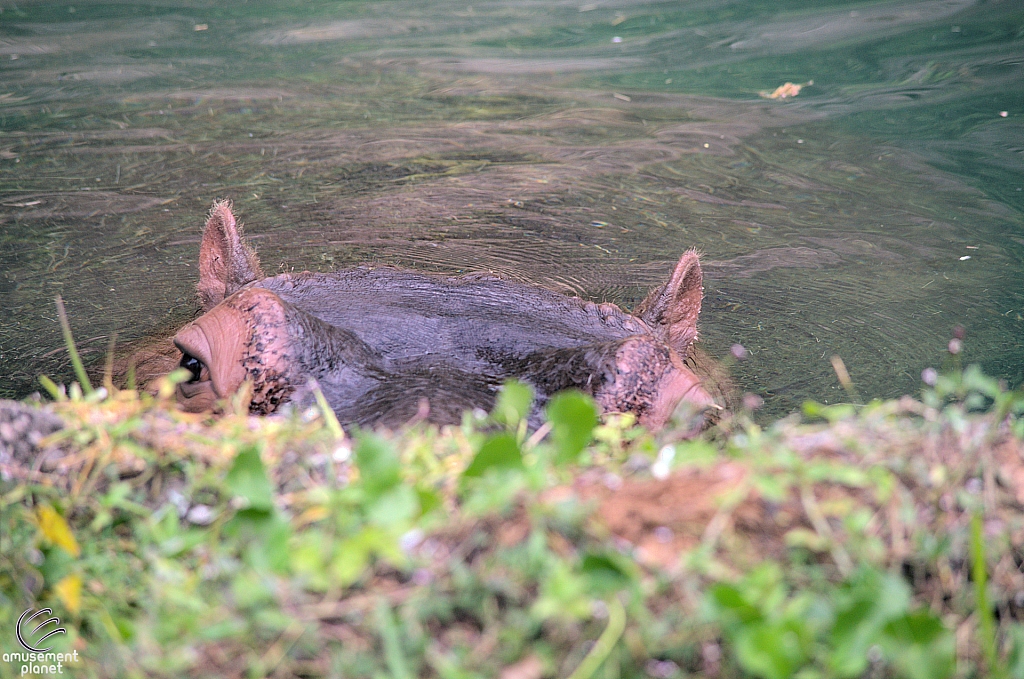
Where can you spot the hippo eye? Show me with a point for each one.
(193, 365)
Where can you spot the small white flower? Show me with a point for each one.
(200, 515)
(342, 453)
(410, 540)
(663, 464)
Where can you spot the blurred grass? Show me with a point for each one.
(836, 544)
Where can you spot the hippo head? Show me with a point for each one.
(247, 333)
(655, 371)
(244, 337)
(216, 347)
(671, 311)
(378, 340)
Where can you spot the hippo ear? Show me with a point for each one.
(226, 262)
(672, 309)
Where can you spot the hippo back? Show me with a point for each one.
(471, 321)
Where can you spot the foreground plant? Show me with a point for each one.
(864, 541)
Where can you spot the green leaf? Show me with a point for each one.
(429, 500)
(391, 636)
(225, 629)
(273, 548)
(573, 417)
(250, 590)
(562, 594)
(607, 572)
(55, 392)
(764, 588)
(976, 380)
(353, 556)
(1015, 659)
(183, 542)
(396, 505)
(920, 627)
(500, 451)
(772, 651)
(699, 453)
(379, 465)
(163, 523)
(493, 493)
(847, 475)
(832, 413)
(307, 557)
(351, 560)
(247, 479)
(774, 486)
(920, 646)
(513, 403)
(729, 600)
(873, 600)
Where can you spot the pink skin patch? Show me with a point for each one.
(226, 262)
(243, 338)
(651, 381)
(678, 385)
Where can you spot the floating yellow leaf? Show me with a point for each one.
(56, 530)
(787, 90)
(69, 591)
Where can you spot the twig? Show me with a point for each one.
(108, 367)
(271, 660)
(364, 603)
(538, 436)
(844, 377)
(820, 523)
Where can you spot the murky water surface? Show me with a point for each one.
(578, 145)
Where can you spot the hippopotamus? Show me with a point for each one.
(384, 344)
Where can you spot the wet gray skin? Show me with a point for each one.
(386, 345)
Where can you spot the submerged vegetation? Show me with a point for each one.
(881, 540)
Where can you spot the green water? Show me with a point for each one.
(577, 145)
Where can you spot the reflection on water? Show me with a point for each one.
(581, 146)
